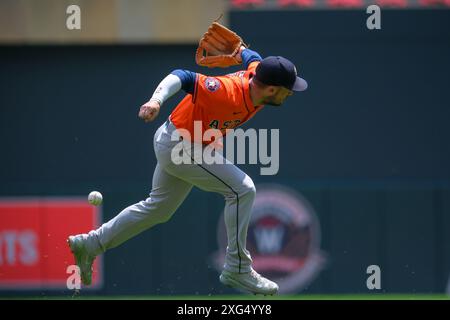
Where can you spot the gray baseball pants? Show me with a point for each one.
(171, 184)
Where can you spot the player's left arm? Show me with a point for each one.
(248, 56)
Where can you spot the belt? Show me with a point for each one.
(168, 122)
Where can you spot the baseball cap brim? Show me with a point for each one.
(300, 84)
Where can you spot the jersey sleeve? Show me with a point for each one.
(249, 56)
(215, 91)
(187, 79)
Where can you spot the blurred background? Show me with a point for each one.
(364, 152)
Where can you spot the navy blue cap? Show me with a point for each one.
(279, 71)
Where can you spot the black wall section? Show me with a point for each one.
(377, 104)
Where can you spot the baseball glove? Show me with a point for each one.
(219, 47)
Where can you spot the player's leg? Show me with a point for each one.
(239, 192)
(168, 192)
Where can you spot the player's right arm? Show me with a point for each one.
(169, 86)
(183, 79)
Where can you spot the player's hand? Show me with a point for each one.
(239, 54)
(149, 111)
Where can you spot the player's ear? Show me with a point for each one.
(271, 90)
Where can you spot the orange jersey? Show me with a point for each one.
(221, 102)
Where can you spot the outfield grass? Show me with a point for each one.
(250, 297)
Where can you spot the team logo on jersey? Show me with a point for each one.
(283, 238)
(212, 84)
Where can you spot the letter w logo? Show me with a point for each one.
(269, 239)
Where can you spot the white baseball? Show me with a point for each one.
(95, 198)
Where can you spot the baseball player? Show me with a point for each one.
(222, 102)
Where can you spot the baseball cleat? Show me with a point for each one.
(251, 282)
(82, 258)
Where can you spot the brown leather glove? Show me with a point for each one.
(219, 47)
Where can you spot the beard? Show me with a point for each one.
(272, 102)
